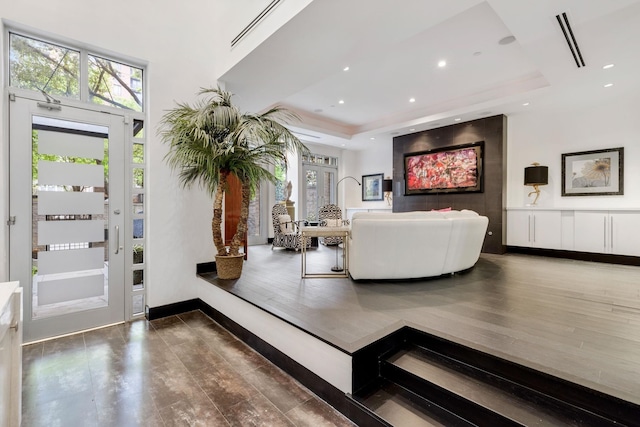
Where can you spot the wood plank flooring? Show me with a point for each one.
(577, 320)
(183, 370)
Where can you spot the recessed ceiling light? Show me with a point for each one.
(372, 138)
(457, 119)
(608, 85)
(343, 145)
(412, 100)
(606, 67)
(525, 104)
(412, 129)
(506, 40)
(346, 68)
(341, 101)
(442, 63)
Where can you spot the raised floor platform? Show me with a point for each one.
(576, 320)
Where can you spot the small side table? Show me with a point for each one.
(307, 232)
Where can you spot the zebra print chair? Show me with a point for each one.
(331, 215)
(285, 230)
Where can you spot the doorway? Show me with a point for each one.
(67, 215)
(318, 189)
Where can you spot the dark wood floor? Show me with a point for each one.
(183, 370)
(574, 319)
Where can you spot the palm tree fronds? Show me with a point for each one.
(212, 138)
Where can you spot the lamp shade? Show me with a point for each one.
(387, 185)
(536, 175)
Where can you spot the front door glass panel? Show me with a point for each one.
(70, 205)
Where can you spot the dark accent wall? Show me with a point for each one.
(491, 130)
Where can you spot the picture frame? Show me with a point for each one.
(593, 173)
(453, 169)
(372, 187)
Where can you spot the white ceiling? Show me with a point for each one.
(392, 49)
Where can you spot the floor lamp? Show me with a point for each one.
(337, 266)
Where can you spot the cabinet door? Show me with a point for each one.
(624, 229)
(591, 231)
(546, 229)
(519, 228)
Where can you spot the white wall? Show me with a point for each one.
(175, 39)
(544, 136)
(232, 16)
(376, 159)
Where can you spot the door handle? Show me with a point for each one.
(117, 240)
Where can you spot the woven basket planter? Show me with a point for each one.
(229, 267)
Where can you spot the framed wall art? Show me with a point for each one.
(593, 173)
(372, 187)
(456, 169)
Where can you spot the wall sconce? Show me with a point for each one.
(536, 175)
(387, 189)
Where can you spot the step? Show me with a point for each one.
(477, 395)
(397, 406)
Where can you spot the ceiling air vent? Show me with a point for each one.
(563, 21)
(254, 22)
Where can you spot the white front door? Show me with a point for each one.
(67, 211)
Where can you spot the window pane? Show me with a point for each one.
(115, 84)
(138, 304)
(37, 65)
(138, 228)
(312, 195)
(138, 254)
(138, 279)
(281, 181)
(138, 203)
(138, 153)
(138, 178)
(138, 128)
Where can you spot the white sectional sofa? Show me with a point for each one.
(414, 244)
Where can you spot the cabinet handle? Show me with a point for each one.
(611, 232)
(529, 228)
(604, 233)
(534, 228)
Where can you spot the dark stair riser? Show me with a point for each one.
(372, 420)
(565, 414)
(463, 408)
(590, 401)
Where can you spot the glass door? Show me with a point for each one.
(318, 190)
(67, 197)
(257, 223)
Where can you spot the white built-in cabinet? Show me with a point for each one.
(10, 354)
(583, 230)
(610, 232)
(535, 228)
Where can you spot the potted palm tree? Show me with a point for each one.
(213, 139)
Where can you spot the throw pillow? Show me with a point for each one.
(333, 222)
(442, 210)
(286, 226)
